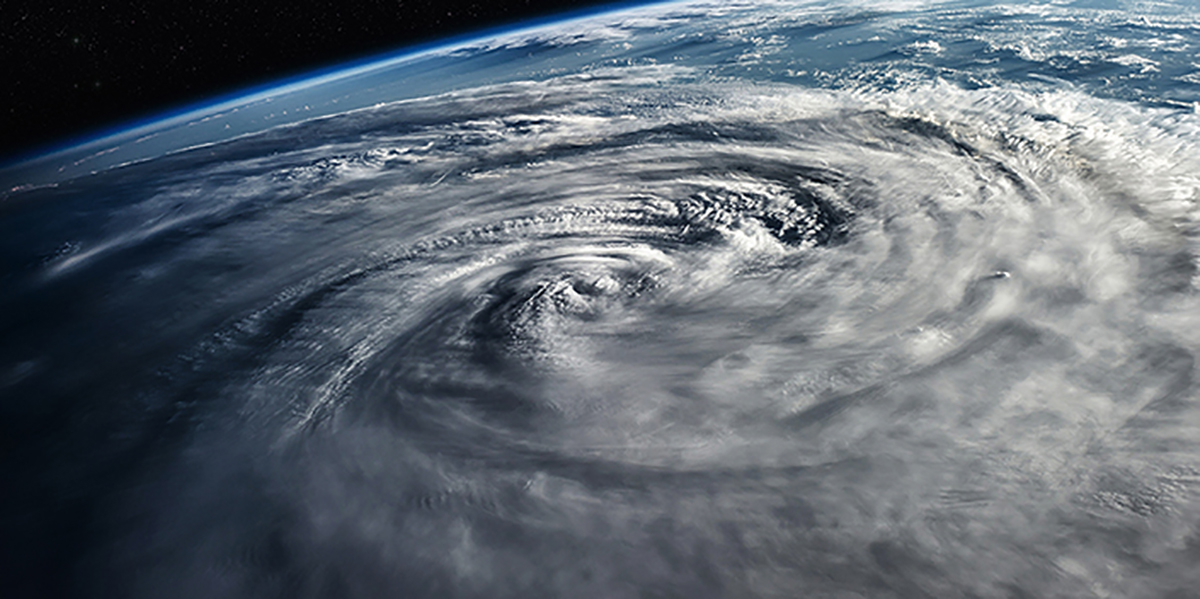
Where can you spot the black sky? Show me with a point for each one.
(75, 66)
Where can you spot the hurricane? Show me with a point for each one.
(738, 300)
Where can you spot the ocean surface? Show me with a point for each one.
(765, 299)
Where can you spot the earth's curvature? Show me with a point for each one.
(694, 300)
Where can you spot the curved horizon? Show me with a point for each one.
(303, 78)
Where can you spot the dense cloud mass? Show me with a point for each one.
(631, 330)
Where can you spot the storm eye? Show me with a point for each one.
(596, 285)
(537, 306)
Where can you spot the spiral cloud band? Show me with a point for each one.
(636, 330)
